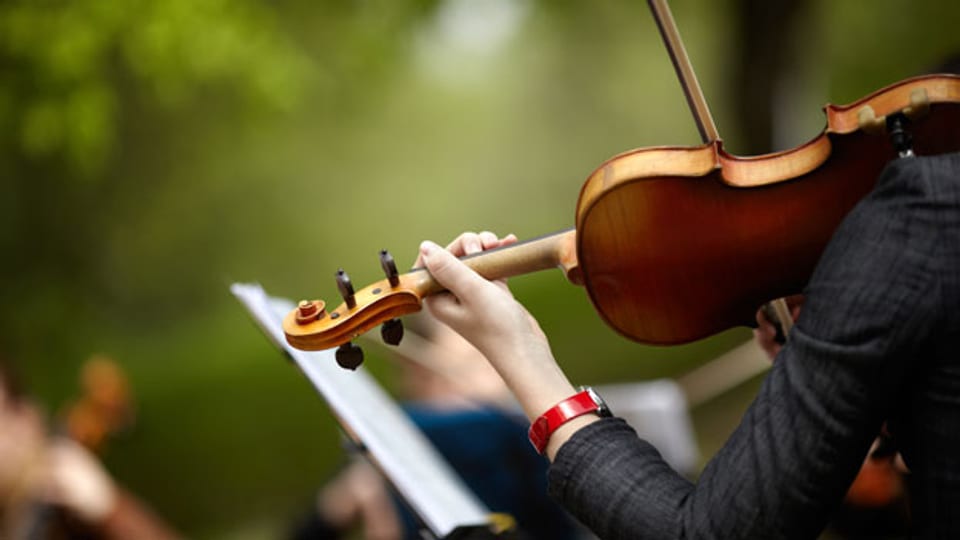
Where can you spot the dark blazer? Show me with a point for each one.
(877, 341)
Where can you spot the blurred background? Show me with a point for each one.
(154, 151)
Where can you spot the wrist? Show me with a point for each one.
(534, 378)
(565, 418)
(537, 394)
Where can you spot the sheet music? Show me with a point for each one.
(415, 468)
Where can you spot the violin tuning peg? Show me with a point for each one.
(349, 356)
(392, 332)
(389, 267)
(346, 288)
(309, 311)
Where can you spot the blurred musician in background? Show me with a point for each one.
(52, 487)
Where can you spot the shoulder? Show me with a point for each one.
(885, 261)
(936, 177)
(899, 220)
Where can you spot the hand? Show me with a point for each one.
(358, 495)
(766, 333)
(439, 366)
(76, 481)
(483, 312)
(488, 316)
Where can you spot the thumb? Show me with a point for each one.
(450, 272)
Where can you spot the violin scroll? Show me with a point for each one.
(311, 327)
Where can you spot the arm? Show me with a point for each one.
(802, 440)
(488, 316)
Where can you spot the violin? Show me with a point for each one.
(674, 244)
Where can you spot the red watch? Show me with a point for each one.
(584, 402)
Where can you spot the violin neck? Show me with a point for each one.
(681, 63)
(557, 250)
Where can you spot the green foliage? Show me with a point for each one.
(69, 62)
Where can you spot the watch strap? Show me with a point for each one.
(584, 402)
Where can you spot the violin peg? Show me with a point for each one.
(389, 267)
(346, 288)
(392, 332)
(309, 311)
(349, 356)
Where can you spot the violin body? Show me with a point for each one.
(675, 244)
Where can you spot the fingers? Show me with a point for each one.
(795, 303)
(766, 335)
(450, 272)
(766, 332)
(471, 298)
(464, 285)
(469, 243)
(490, 240)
